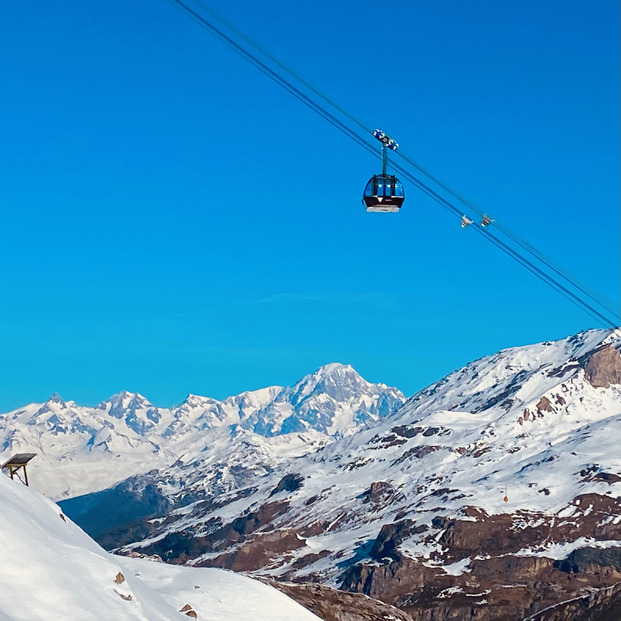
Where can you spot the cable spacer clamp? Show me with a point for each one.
(386, 139)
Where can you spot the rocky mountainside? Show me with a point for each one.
(494, 493)
(87, 449)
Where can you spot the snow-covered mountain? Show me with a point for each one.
(335, 400)
(495, 492)
(52, 570)
(497, 489)
(87, 449)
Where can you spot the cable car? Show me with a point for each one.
(384, 193)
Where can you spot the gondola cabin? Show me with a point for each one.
(384, 193)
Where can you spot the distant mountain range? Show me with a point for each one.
(85, 449)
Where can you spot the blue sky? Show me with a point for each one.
(173, 222)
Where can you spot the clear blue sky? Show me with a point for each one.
(174, 222)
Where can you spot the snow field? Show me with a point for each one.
(51, 569)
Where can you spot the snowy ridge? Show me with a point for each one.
(52, 570)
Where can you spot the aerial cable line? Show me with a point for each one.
(282, 65)
(588, 291)
(273, 75)
(362, 141)
(567, 276)
(572, 297)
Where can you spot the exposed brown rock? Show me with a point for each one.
(308, 559)
(258, 551)
(189, 611)
(406, 431)
(179, 547)
(391, 535)
(120, 578)
(603, 367)
(393, 583)
(379, 493)
(563, 369)
(464, 538)
(289, 483)
(499, 588)
(334, 605)
(495, 584)
(594, 473)
(601, 605)
(481, 451)
(418, 452)
(544, 405)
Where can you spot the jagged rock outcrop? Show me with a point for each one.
(603, 367)
(333, 605)
(485, 572)
(599, 605)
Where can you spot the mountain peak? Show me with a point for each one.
(335, 367)
(333, 372)
(56, 398)
(329, 378)
(193, 400)
(125, 397)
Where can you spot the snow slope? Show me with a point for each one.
(51, 569)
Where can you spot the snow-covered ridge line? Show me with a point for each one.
(57, 572)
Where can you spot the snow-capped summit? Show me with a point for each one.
(511, 376)
(137, 412)
(56, 398)
(335, 399)
(338, 381)
(194, 402)
(54, 405)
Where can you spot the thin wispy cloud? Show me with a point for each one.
(377, 298)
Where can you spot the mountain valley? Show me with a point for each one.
(493, 493)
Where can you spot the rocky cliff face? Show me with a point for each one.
(492, 565)
(334, 605)
(597, 605)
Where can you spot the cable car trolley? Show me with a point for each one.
(384, 193)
